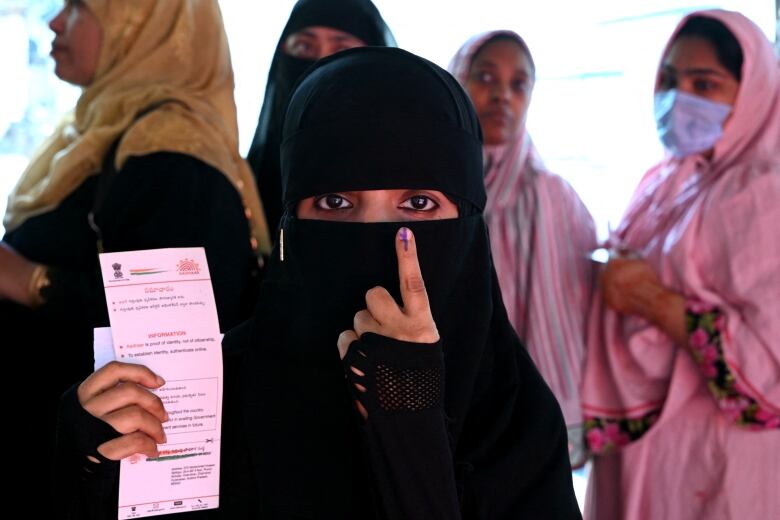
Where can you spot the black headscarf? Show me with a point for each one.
(381, 118)
(359, 18)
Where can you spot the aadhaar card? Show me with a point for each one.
(163, 315)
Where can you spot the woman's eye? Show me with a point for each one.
(703, 85)
(332, 201)
(484, 77)
(419, 203)
(302, 49)
(519, 85)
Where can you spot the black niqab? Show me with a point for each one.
(380, 118)
(357, 17)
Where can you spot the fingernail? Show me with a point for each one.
(164, 439)
(404, 236)
(166, 417)
(160, 381)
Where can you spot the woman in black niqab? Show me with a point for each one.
(487, 443)
(462, 427)
(361, 19)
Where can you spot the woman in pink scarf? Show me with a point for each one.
(681, 388)
(540, 232)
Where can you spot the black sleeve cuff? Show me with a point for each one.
(399, 376)
(81, 431)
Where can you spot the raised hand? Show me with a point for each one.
(412, 322)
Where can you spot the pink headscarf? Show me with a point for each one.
(541, 235)
(710, 230)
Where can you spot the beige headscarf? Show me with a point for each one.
(153, 51)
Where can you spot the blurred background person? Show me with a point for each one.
(315, 29)
(682, 379)
(541, 234)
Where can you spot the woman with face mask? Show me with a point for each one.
(148, 159)
(682, 381)
(541, 233)
(315, 29)
(434, 409)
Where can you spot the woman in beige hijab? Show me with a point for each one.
(148, 159)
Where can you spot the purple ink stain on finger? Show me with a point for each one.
(405, 238)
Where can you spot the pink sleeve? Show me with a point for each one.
(740, 237)
(705, 325)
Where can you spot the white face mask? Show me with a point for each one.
(688, 124)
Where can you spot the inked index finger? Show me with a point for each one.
(413, 293)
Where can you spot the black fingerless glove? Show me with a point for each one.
(80, 431)
(400, 376)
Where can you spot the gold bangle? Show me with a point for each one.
(38, 282)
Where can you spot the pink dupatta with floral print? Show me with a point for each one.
(711, 230)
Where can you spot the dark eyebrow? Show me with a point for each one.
(710, 72)
(304, 32)
(694, 71)
(484, 63)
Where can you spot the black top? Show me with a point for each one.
(464, 428)
(158, 200)
(357, 17)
